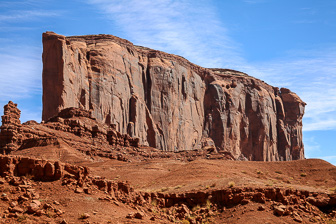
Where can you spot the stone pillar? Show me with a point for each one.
(9, 131)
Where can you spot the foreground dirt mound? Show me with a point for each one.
(74, 169)
(40, 191)
(169, 103)
(74, 132)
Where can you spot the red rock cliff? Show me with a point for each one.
(168, 102)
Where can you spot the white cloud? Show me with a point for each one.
(312, 75)
(187, 28)
(195, 32)
(311, 146)
(11, 3)
(20, 72)
(330, 159)
(24, 15)
(21, 79)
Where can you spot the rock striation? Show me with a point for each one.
(74, 129)
(168, 102)
(88, 133)
(10, 136)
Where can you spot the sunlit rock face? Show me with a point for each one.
(168, 102)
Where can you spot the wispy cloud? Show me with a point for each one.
(15, 29)
(312, 75)
(21, 72)
(179, 27)
(195, 32)
(20, 62)
(330, 159)
(24, 15)
(254, 1)
(311, 146)
(21, 79)
(25, 3)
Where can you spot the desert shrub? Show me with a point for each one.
(154, 202)
(21, 218)
(333, 189)
(208, 204)
(195, 208)
(231, 184)
(83, 216)
(278, 172)
(164, 189)
(331, 222)
(50, 214)
(303, 174)
(29, 176)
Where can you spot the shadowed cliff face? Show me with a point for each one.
(168, 102)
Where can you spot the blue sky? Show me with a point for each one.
(287, 43)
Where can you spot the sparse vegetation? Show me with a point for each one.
(278, 172)
(303, 174)
(29, 176)
(231, 184)
(208, 204)
(83, 216)
(154, 202)
(50, 214)
(195, 208)
(331, 222)
(164, 189)
(260, 172)
(244, 172)
(269, 184)
(213, 185)
(333, 189)
(185, 221)
(22, 218)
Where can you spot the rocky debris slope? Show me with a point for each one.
(90, 134)
(168, 102)
(21, 194)
(75, 128)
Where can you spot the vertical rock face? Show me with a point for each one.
(168, 102)
(9, 130)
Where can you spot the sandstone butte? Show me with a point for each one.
(168, 102)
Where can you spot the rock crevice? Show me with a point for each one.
(168, 102)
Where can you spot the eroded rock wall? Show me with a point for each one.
(168, 102)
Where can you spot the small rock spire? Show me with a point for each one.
(11, 114)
